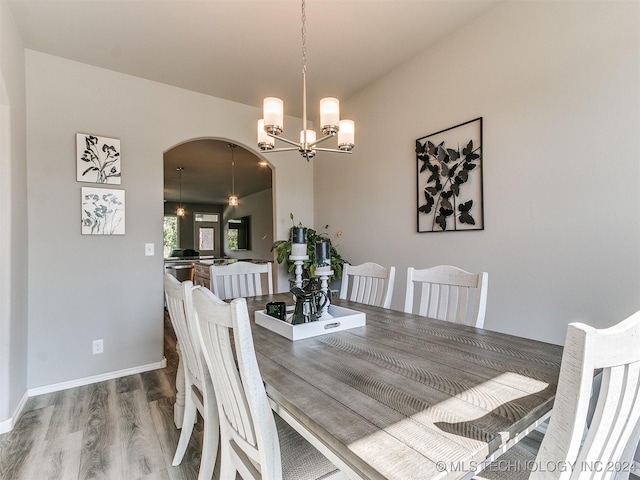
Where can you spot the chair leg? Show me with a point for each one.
(227, 467)
(178, 407)
(190, 412)
(211, 439)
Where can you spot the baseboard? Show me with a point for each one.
(56, 387)
(8, 424)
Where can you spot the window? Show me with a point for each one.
(205, 217)
(238, 234)
(233, 239)
(170, 240)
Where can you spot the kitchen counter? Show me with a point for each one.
(202, 274)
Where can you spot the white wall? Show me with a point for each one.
(83, 288)
(259, 207)
(13, 225)
(557, 86)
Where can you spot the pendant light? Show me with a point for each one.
(180, 211)
(233, 199)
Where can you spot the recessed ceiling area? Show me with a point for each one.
(206, 177)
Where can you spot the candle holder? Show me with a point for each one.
(298, 261)
(323, 274)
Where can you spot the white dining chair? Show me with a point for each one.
(368, 283)
(448, 293)
(199, 396)
(240, 279)
(252, 442)
(612, 436)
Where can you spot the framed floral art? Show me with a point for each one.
(102, 211)
(98, 159)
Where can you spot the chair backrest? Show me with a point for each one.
(240, 279)
(448, 293)
(245, 415)
(615, 427)
(179, 297)
(369, 282)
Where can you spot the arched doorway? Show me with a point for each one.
(202, 188)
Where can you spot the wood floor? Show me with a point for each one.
(115, 430)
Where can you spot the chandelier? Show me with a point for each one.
(271, 125)
(233, 199)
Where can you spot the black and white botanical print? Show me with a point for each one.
(449, 166)
(98, 159)
(102, 211)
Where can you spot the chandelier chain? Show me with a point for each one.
(180, 173)
(304, 38)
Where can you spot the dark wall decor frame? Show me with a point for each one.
(449, 179)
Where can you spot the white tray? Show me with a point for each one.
(343, 319)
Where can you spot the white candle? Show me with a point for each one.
(298, 241)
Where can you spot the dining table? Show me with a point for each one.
(405, 396)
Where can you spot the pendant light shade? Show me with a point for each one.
(233, 199)
(180, 211)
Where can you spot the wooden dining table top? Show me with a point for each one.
(408, 397)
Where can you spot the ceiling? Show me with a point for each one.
(244, 50)
(206, 177)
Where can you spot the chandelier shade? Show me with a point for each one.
(309, 138)
(265, 142)
(330, 114)
(273, 113)
(271, 125)
(346, 135)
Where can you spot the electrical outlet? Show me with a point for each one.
(98, 347)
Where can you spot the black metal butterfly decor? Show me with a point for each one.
(450, 179)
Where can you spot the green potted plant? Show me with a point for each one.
(283, 249)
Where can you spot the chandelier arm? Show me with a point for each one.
(285, 140)
(333, 150)
(284, 149)
(327, 137)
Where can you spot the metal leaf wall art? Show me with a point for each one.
(450, 179)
